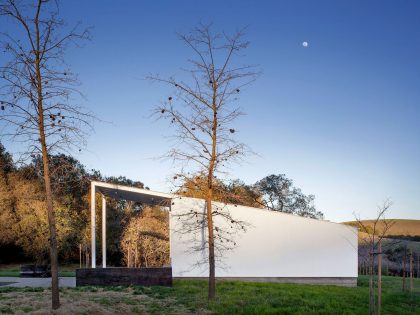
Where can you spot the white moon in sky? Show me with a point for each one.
(305, 44)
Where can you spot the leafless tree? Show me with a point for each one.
(203, 113)
(404, 267)
(411, 270)
(36, 93)
(374, 233)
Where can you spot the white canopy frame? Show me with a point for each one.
(118, 192)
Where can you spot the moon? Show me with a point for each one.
(305, 44)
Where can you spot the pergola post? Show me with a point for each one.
(93, 222)
(103, 231)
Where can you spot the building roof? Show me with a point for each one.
(121, 192)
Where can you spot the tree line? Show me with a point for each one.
(24, 222)
(138, 235)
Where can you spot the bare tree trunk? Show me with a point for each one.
(46, 169)
(379, 277)
(212, 273)
(52, 226)
(47, 183)
(212, 262)
(80, 255)
(404, 267)
(371, 292)
(411, 270)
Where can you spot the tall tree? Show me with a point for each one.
(35, 93)
(203, 114)
(7, 200)
(279, 194)
(6, 161)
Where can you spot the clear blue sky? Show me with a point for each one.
(341, 117)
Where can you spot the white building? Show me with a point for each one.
(276, 247)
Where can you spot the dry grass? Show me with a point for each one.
(92, 302)
(399, 227)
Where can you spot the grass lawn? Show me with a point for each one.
(189, 297)
(13, 271)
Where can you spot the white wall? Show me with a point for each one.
(276, 245)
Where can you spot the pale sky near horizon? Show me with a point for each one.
(340, 117)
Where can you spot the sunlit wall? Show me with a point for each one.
(273, 245)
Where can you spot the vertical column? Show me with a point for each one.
(103, 232)
(93, 222)
(380, 276)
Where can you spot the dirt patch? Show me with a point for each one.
(92, 303)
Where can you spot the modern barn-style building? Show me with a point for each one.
(276, 247)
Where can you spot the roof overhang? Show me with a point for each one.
(121, 192)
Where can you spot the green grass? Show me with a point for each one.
(6, 310)
(270, 298)
(13, 270)
(67, 274)
(9, 270)
(27, 309)
(104, 301)
(5, 273)
(234, 297)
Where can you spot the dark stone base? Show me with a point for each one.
(124, 276)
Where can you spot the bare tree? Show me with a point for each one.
(203, 114)
(375, 231)
(36, 94)
(411, 270)
(404, 267)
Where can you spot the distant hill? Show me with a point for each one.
(401, 227)
(402, 239)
